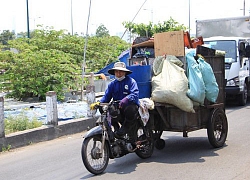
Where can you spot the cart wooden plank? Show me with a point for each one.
(171, 43)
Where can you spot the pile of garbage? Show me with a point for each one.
(66, 111)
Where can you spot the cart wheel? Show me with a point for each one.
(159, 144)
(217, 128)
(157, 134)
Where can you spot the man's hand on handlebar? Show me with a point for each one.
(93, 105)
(123, 102)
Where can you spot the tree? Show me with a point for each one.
(103, 51)
(150, 29)
(34, 71)
(52, 61)
(102, 31)
(6, 35)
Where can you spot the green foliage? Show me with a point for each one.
(5, 36)
(7, 148)
(102, 31)
(52, 61)
(20, 122)
(149, 30)
(103, 51)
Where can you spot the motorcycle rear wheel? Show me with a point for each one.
(91, 155)
(147, 148)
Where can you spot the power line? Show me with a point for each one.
(134, 17)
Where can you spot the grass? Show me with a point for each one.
(6, 148)
(20, 122)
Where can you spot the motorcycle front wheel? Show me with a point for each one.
(94, 160)
(147, 139)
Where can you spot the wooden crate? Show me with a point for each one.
(169, 43)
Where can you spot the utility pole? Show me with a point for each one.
(244, 7)
(28, 21)
(72, 31)
(85, 49)
(189, 16)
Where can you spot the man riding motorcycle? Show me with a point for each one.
(123, 89)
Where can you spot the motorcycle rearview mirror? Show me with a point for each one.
(248, 51)
(242, 49)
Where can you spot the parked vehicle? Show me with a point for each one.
(231, 35)
(100, 145)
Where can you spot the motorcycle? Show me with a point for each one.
(100, 144)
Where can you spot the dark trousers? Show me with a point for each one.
(127, 117)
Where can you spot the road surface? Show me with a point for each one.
(182, 158)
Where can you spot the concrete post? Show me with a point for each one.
(90, 95)
(91, 79)
(2, 126)
(51, 107)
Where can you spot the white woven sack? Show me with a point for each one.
(171, 86)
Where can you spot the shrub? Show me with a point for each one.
(20, 122)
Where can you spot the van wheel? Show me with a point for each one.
(243, 96)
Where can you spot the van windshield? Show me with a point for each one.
(229, 46)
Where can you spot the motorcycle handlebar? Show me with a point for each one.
(107, 104)
(103, 104)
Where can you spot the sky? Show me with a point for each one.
(112, 13)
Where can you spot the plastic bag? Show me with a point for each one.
(196, 90)
(145, 104)
(170, 86)
(158, 63)
(211, 86)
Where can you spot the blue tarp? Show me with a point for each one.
(123, 57)
(105, 69)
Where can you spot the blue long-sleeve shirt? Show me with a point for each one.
(120, 89)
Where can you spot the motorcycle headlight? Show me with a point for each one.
(105, 108)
